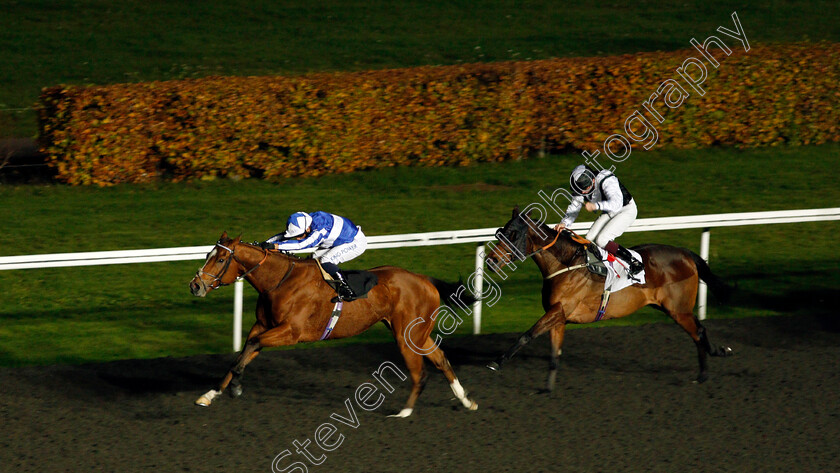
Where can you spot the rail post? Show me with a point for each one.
(479, 287)
(237, 315)
(701, 292)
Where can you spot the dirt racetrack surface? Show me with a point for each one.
(625, 401)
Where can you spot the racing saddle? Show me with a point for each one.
(349, 285)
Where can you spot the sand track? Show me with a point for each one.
(625, 402)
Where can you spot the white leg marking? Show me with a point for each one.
(403, 413)
(459, 391)
(207, 398)
(461, 394)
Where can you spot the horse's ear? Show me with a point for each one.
(515, 211)
(237, 239)
(223, 236)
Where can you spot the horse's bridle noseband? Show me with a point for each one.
(217, 279)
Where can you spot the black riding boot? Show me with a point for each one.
(342, 289)
(636, 266)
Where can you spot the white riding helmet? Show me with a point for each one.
(581, 179)
(297, 224)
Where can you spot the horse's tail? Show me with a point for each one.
(453, 293)
(720, 289)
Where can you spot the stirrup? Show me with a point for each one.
(634, 266)
(343, 291)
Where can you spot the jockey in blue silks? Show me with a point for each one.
(335, 239)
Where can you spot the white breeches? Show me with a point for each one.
(606, 228)
(341, 253)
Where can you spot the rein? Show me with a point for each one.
(285, 277)
(575, 237)
(265, 257)
(570, 268)
(544, 247)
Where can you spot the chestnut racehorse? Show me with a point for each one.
(294, 306)
(574, 296)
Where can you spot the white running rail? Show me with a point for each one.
(480, 236)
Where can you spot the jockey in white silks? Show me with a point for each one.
(335, 239)
(605, 193)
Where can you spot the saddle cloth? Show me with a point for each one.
(617, 271)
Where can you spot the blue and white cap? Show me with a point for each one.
(297, 224)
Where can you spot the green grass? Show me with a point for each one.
(129, 311)
(111, 312)
(45, 43)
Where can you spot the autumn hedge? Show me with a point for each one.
(431, 116)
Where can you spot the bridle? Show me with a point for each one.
(549, 245)
(543, 248)
(568, 264)
(217, 278)
(538, 250)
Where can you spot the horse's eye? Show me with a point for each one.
(221, 260)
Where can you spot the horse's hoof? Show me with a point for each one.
(702, 378)
(727, 351)
(207, 398)
(235, 391)
(473, 405)
(403, 413)
(494, 366)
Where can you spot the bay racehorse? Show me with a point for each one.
(294, 306)
(574, 296)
